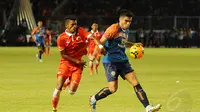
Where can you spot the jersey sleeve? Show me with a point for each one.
(60, 43)
(111, 31)
(101, 34)
(34, 31)
(84, 33)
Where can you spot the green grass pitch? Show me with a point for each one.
(169, 76)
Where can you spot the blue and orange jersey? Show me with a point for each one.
(39, 34)
(115, 44)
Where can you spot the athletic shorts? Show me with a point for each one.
(113, 70)
(40, 46)
(70, 71)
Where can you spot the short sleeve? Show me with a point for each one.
(111, 31)
(84, 33)
(60, 43)
(34, 31)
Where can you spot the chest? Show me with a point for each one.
(121, 38)
(73, 42)
(97, 35)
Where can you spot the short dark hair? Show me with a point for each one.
(125, 12)
(67, 18)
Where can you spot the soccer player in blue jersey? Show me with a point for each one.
(116, 62)
(39, 33)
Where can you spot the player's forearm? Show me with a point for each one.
(95, 50)
(70, 58)
(98, 46)
(96, 41)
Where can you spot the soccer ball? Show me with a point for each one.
(136, 51)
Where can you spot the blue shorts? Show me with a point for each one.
(113, 70)
(40, 46)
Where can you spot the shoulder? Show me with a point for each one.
(113, 27)
(111, 31)
(35, 28)
(81, 30)
(62, 36)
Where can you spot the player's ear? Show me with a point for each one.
(66, 25)
(120, 18)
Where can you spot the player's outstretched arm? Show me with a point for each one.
(99, 46)
(133, 43)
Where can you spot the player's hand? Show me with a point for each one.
(81, 63)
(91, 57)
(103, 51)
(138, 44)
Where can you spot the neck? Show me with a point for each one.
(94, 31)
(69, 31)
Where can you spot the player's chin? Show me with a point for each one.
(73, 30)
(127, 27)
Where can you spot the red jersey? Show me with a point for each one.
(74, 45)
(47, 38)
(96, 35)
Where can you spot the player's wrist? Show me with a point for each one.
(100, 46)
(77, 61)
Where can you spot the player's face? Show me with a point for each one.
(94, 27)
(71, 26)
(125, 22)
(39, 24)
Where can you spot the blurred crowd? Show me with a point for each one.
(110, 7)
(105, 12)
(175, 38)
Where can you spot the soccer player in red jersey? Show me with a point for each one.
(47, 41)
(91, 46)
(72, 45)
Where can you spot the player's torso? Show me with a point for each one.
(75, 46)
(40, 35)
(116, 48)
(96, 35)
(47, 38)
(41, 32)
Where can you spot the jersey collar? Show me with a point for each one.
(68, 34)
(94, 32)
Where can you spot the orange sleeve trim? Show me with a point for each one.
(111, 31)
(34, 31)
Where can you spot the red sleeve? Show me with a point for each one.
(100, 35)
(111, 31)
(83, 32)
(61, 43)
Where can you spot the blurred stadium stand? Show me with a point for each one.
(166, 18)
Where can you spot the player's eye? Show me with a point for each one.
(128, 21)
(74, 24)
